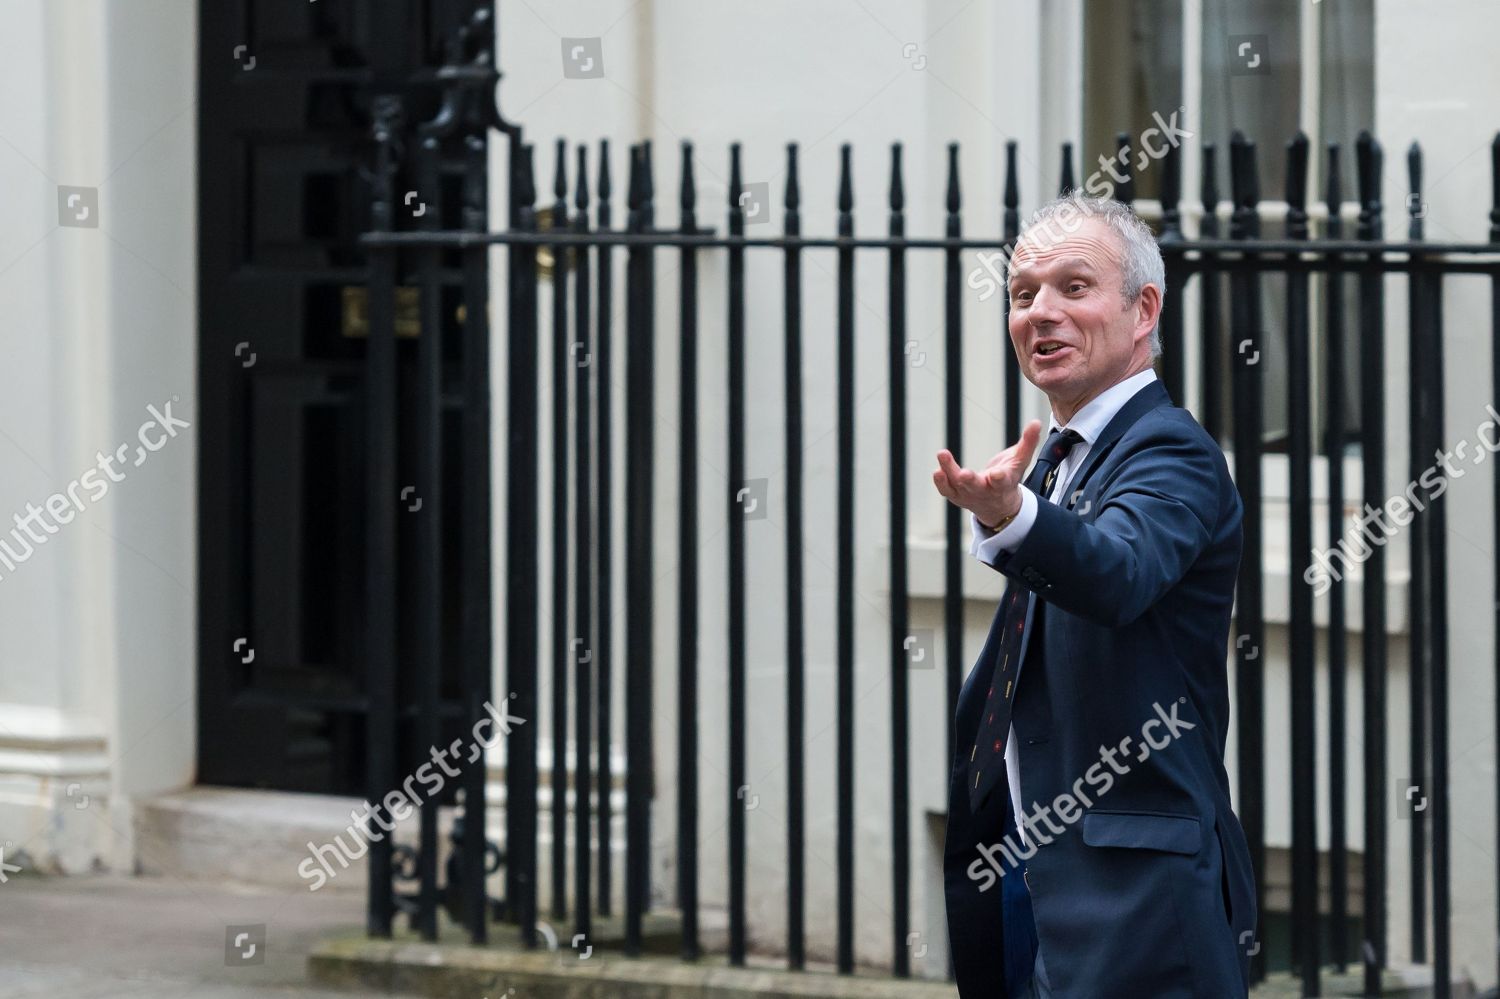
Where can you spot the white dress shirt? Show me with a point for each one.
(986, 546)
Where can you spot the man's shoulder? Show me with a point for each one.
(1168, 424)
(1168, 438)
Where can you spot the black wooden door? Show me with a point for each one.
(285, 91)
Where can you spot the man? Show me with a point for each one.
(1100, 699)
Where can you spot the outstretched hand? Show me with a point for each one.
(994, 493)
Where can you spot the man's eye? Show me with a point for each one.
(1076, 286)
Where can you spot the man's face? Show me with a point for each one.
(1072, 331)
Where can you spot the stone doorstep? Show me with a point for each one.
(450, 971)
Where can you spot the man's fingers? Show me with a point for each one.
(949, 476)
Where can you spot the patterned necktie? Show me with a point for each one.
(987, 759)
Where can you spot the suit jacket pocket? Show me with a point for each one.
(1143, 830)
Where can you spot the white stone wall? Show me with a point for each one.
(97, 668)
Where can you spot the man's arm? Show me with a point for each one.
(1153, 523)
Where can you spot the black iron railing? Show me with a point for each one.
(1230, 338)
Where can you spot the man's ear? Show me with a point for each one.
(1147, 310)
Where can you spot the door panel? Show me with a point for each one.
(285, 90)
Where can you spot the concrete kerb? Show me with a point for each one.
(451, 971)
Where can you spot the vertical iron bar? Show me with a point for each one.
(1173, 363)
(1211, 341)
(900, 628)
(583, 581)
(1427, 289)
(1372, 598)
(1303, 662)
(562, 640)
(380, 511)
(522, 566)
(1011, 365)
(475, 560)
(795, 651)
(1125, 191)
(845, 598)
(1250, 640)
(1333, 449)
(736, 513)
(954, 550)
(639, 430)
(1419, 588)
(687, 590)
(604, 437)
(427, 428)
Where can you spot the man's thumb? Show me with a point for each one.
(1030, 434)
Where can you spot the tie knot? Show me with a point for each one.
(1060, 443)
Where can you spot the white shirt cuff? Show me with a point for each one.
(987, 546)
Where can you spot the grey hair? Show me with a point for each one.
(1141, 262)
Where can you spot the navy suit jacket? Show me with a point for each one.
(1141, 883)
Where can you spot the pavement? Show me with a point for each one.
(165, 938)
(171, 938)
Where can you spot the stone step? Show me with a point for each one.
(243, 836)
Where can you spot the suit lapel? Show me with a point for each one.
(1152, 395)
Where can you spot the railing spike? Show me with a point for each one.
(1011, 218)
(1012, 182)
(1296, 186)
(1495, 189)
(953, 200)
(1244, 179)
(1333, 195)
(1368, 178)
(846, 178)
(898, 189)
(1125, 189)
(1171, 193)
(687, 193)
(1208, 189)
(526, 176)
(605, 187)
(636, 185)
(581, 192)
(793, 198)
(650, 184)
(1415, 210)
(735, 183)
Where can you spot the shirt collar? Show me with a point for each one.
(1091, 420)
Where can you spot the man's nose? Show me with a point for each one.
(1045, 308)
